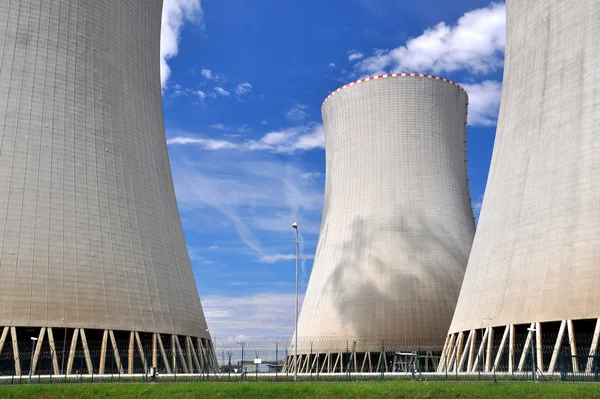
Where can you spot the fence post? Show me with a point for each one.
(242, 365)
(347, 361)
(382, 357)
(563, 371)
(318, 354)
(229, 368)
(446, 364)
(310, 357)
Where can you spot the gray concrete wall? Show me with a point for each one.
(536, 254)
(89, 226)
(397, 221)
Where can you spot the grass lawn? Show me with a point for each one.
(399, 389)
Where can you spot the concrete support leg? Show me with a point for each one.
(463, 355)
(573, 345)
(525, 349)
(38, 348)
(86, 352)
(480, 355)
(141, 351)
(511, 349)
(557, 345)
(501, 348)
(593, 347)
(130, 353)
(117, 357)
(539, 346)
(472, 351)
(103, 352)
(163, 354)
(488, 353)
(72, 351)
(52, 351)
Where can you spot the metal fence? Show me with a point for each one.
(319, 359)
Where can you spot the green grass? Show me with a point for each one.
(399, 389)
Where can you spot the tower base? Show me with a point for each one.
(75, 351)
(518, 348)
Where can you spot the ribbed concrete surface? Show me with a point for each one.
(397, 221)
(536, 254)
(89, 225)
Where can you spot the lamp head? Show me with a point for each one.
(295, 225)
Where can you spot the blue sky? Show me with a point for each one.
(243, 82)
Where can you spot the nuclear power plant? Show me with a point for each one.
(397, 223)
(535, 264)
(93, 257)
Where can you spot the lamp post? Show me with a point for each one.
(295, 227)
(33, 342)
(532, 330)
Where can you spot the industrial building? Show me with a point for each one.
(534, 270)
(397, 224)
(94, 269)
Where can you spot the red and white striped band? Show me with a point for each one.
(391, 75)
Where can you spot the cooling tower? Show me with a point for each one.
(93, 257)
(397, 221)
(535, 261)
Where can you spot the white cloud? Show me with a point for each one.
(308, 141)
(253, 196)
(300, 138)
(243, 88)
(311, 175)
(195, 254)
(179, 91)
(219, 126)
(200, 94)
(475, 43)
(273, 258)
(207, 73)
(297, 113)
(331, 65)
(354, 55)
(208, 144)
(221, 91)
(175, 14)
(484, 102)
(258, 315)
(477, 203)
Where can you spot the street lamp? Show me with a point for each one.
(295, 227)
(533, 330)
(33, 340)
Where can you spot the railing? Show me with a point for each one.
(272, 359)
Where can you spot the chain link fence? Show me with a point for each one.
(318, 359)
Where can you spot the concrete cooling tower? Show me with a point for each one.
(397, 222)
(535, 263)
(93, 260)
